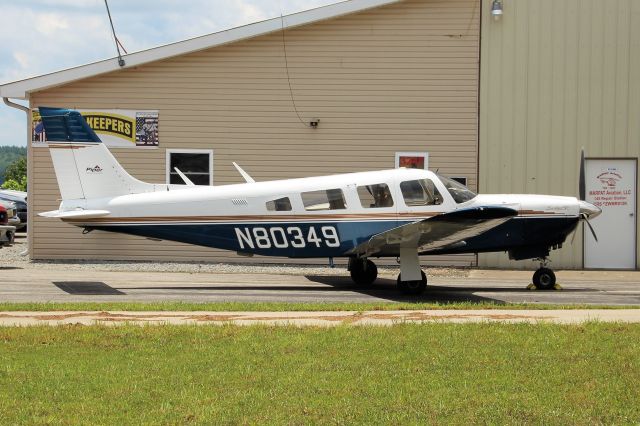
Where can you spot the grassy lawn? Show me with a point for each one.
(285, 306)
(416, 374)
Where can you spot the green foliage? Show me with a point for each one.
(17, 169)
(8, 155)
(404, 374)
(15, 185)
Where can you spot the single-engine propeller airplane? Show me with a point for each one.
(400, 213)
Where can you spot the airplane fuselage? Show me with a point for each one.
(252, 218)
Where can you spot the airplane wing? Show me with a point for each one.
(436, 232)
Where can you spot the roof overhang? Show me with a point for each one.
(21, 89)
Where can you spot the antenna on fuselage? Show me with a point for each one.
(184, 178)
(244, 174)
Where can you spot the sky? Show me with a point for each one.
(41, 36)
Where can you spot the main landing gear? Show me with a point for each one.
(411, 281)
(544, 278)
(363, 271)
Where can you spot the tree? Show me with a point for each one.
(15, 176)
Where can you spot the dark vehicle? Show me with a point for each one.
(20, 199)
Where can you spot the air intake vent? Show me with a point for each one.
(239, 202)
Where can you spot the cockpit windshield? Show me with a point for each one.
(458, 191)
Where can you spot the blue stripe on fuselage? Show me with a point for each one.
(307, 239)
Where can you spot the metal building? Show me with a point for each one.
(507, 112)
(558, 76)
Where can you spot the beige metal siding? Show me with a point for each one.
(556, 75)
(402, 77)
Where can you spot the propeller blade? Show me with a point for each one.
(582, 184)
(590, 227)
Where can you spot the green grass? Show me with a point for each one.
(285, 306)
(404, 374)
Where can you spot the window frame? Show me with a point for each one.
(170, 151)
(423, 154)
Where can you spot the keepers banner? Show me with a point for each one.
(117, 128)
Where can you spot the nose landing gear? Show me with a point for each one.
(544, 278)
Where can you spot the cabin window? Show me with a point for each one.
(279, 205)
(327, 199)
(375, 196)
(420, 192)
(195, 164)
(458, 191)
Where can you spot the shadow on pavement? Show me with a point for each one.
(87, 288)
(386, 289)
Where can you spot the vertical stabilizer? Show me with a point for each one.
(84, 167)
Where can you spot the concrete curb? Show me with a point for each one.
(324, 319)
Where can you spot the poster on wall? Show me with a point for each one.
(412, 160)
(117, 128)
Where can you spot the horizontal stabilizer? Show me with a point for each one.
(75, 214)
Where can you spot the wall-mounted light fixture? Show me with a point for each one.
(496, 9)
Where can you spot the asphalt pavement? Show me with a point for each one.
(56, 283)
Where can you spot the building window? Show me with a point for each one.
(420, 193)
(412, 160)
(462, 180)
(279, 205)
(375, 196)
(328, 199)
(195, 164)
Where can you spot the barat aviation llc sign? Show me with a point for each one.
(610, 193)
(117, 128)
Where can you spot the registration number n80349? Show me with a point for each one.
(287, 236)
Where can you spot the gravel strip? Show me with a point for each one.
(10, 257)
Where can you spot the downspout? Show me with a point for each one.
(29, 174)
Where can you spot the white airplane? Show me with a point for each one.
(400, 213)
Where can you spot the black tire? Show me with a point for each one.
(412, 288)
(364, 273)
(544, 279)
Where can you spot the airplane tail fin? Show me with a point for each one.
(83, 165)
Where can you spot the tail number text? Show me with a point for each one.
(285, 237)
